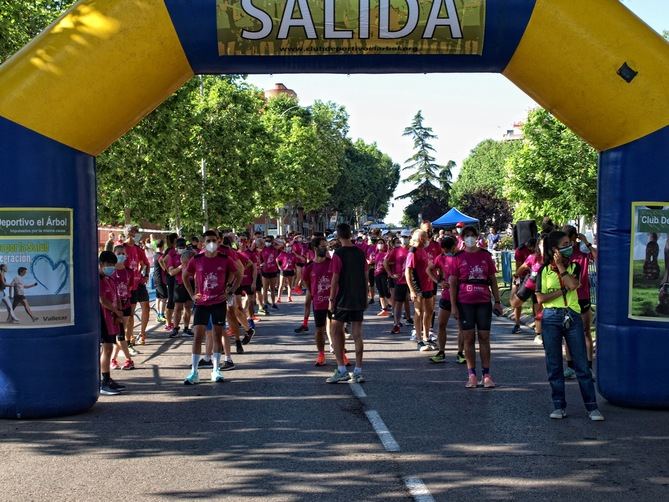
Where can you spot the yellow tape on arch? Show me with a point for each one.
(568, 60)
(95, 73)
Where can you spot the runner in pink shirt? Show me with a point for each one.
(471, 282)
(111, 318)
(318, 278)
(215, 277)
(123, 279)
(137, 262)
(309, 255)
(394, 265)
(521, 254)
(270, 272)
(421, 288)
(381, 277)
(182, 301)
(527, 274)
(286, 261)
(299, 249)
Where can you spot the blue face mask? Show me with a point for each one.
(566, 251)
(108, 271)
(120, 258)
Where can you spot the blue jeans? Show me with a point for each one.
(553, 332)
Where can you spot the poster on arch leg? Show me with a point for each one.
(36, 277)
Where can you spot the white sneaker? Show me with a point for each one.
(596, 416)
(558, 414)
(539, 340)
(217, 377)
(412, 338)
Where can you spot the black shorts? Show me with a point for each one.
(370, 277)
(427, 294)
(258, 283)
(139, 295)
(445, 304)
(17, 300)
(161, 290)
(105, 337)
(270, 275)
(181, 294)
(586, 305)
(288, 273)
(127, 312)
(475, 316)
(382, 285)
(320, 318)
(244, 289)
(391, 283)
(300, 265)
(524, 293)
(401, 292)
(217, 313)
(348, 315)
(435, 289)
(171, 284)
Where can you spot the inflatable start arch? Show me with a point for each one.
(105, 64)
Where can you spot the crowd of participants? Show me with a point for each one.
(214, 289)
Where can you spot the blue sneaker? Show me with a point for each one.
(338, 377)
(569, 373)
(193, 378)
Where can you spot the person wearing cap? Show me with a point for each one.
(460, 245)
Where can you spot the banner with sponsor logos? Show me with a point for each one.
(350, 27)
(36, 276)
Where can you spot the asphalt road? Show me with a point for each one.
(276, 431)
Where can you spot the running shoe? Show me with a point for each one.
(161, 319)
(409, 321)
(320, 360)
(240, 347)
(346, 361)
(142, 340)
(277, 301)
(275, 306)
(338, 377)
(107, 390)
(460, 358)
(227, 366)
(301, 329)
(255, 318)
(538, 339)
(174, 333)
(596, 416)
(396, 329)
(193, 378)
(252, 324)
(558, 414)
(423, 346)
(569, 373)
(382, 313)
(357, 377)
(412, 338)
(169, 327)
(290, 299)
(115, 385)
(128, 365)
(188, 333)
(488, 382)
(440, 357)
(217, 377)
(133, 351)
(472, 382)
(516, 329)
(205, 364)
(115, 365)
(248, 336)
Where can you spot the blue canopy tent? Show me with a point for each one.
(452, 218)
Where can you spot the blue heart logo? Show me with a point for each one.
(49, 274)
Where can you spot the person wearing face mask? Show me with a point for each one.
(111, 319)
(557, 284)
(433, 250)
(256, 249)
(583, 253)
(182, 301)
(527, 274)
(318, 279)
(381, 278)
(137, 262)
(520, 256)
(122, 278)
(164, 262)
(159, 281)
(214, 276)
(460, 246)
(249, 283)
(286, 262)
(298, 250)
(394, 264)
(270, 273)
(421, 289)
(370, 253)
(472, 280)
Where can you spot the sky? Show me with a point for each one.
(462, 109)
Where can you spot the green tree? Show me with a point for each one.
(553, 174)
(490, 209)
(484, 169)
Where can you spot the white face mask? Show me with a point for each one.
(405, 240)
(379, 247)
(470, 241)
(584, 249)
(459, 230)
(289, 249)
(181, 250)
(212, 247)
(268, 244)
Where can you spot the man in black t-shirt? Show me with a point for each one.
(348, 301)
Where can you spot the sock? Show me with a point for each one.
(357, 371)
(570, 364)
(228, 359)
(106, 377)
(471, 371)
(216, 360)
(206, 358)
(342, 369)
(485, 371)
(590, 364)
(195, 359)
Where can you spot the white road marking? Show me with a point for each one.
(418, 490)
(382, 431)
(358, 391)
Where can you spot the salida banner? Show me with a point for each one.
(36, 273)
(350, 27)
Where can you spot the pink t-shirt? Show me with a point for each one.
(135, 258)
(310, 255)
(397, 258)
(433, 251)
(211, 277)
(298, 250)
(247, 258)
(123, 280)
(287, 261)
(520, 255)
(108, 292)
(174, 261)
(418, 260)
(319, 277)
(474, 271)
(583, 261)
(534, 262)
(269, 256)
(378, 263)
(445, 263)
